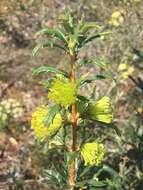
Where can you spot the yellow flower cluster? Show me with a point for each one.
(92, 153)
(116, 19)
(101, 110)
(62, 92)
(140, 110)
(10, 108)
(42, 130)
(125, 70)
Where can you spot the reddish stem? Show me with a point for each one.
(72, 172)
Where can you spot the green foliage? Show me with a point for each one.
(54, 33)
(71, 37)
(47, 69)
(45, 44)
(53, 110)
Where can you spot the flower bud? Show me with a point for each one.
(101, 110)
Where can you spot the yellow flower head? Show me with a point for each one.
(116, 14)
(116, 19)
(125, 70)
(122, 67)
(43, 131)
(140, 110)
(92, 153)
(101, 110)
(62, 91)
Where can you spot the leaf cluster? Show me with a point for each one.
(70, 36)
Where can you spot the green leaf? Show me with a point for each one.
(87, 26)
(84, 98)
(51, 114)
(53, 176)
(53, 180)
(118, 132)
(92, 183)
(54, 33)
(111, 171)
(47, 69)
(93, 78)
(85, 171)
(61, 170)
(47, 83)
(98, 35)
(99, 62)
(68, 23)
(97, 184)
(45, 44)
(81, 106)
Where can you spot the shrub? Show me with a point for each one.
(78, 152)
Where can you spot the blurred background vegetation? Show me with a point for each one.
(21, 160)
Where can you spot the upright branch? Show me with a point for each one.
(47, 120)
(72, 172)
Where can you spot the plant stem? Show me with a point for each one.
(72, 172)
